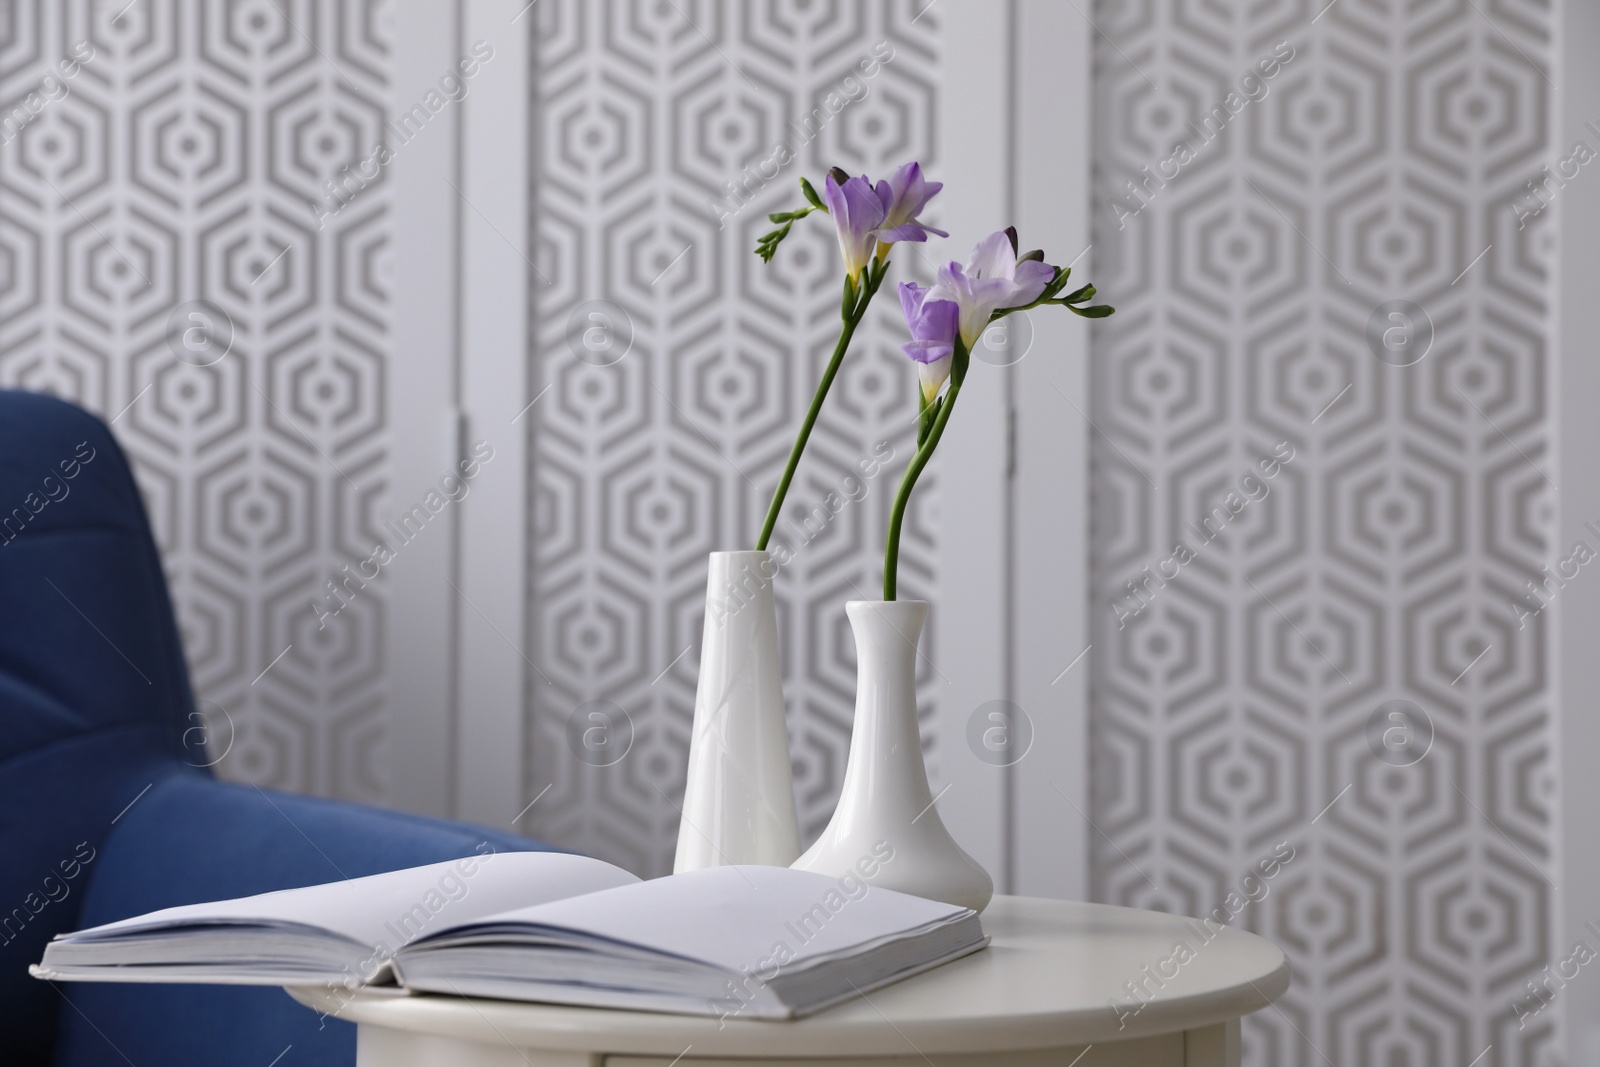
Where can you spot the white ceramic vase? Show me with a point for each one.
(738, 806)
(886, 830)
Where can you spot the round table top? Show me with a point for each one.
(1058, 973)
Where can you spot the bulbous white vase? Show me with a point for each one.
(738, 806)
(885, 830)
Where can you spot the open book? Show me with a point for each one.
(758, 942)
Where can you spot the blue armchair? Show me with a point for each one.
(104, 809)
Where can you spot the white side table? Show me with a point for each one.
(1051, 986)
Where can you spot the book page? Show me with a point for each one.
(389, 910)
(738, 917)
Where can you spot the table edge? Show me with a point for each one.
(614, 1032)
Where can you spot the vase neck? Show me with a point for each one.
(886, 742)
(887, 631)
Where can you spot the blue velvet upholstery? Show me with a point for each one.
(104, 810)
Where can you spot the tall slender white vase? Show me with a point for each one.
(738, 806)
(886, 830)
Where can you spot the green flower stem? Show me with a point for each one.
(872, 277)
(897, 514)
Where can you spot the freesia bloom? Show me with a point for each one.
(857, 214)
(949, 319)
(932, 323)
(993, 279)
(866, 216)
(903, 197)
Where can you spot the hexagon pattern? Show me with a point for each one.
(178, 168)
(1234, 710)
(648, 116)
(1247, 701)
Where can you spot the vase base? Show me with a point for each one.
(912, 861)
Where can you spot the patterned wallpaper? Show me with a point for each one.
(1324, 477)
(678, 368)
(161, 264)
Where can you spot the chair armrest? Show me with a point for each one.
(194, 839)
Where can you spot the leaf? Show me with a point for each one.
(790, 216)
(767, 244)
(1098, 311)
(1079, 296)
(812, 197)
(1057, 283)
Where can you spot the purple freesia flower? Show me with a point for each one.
(932, 323)
(992, 280)
(857, 214)
(866, 216)
(903, 197)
